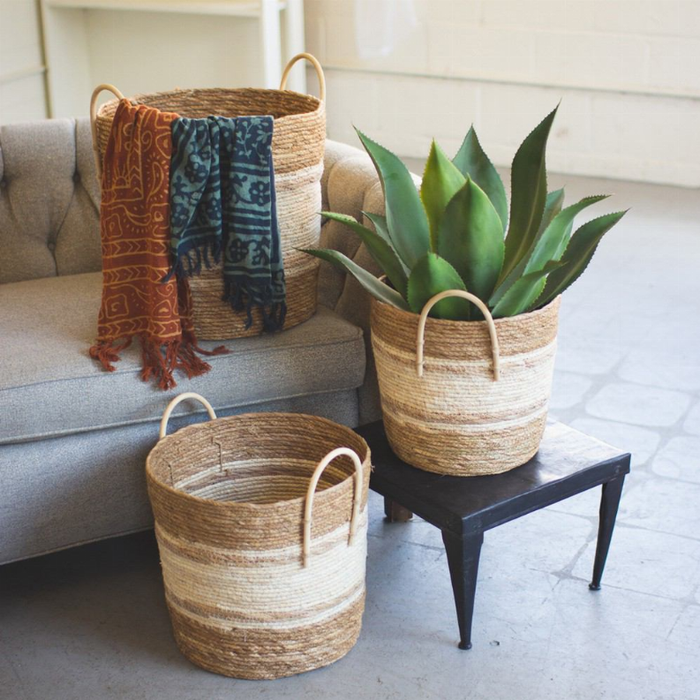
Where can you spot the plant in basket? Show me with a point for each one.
(464, 328)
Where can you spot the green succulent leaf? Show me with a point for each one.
(528, 193)
(552, 206)
(472, 162)
(375, 287)
(578, 254)
(441, 179)
(430, 276)
(471, 239)
(553, 241)
(380, 226)
(379, 249)
(406, 219)
(382, 230)
(522, 295)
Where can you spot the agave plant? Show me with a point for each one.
(452, 234)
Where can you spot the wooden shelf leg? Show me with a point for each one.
(295, 42)
(271, 43)
(463, 559)
(609, 503)
(396, 513)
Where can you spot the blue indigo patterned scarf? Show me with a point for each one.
(223, 204)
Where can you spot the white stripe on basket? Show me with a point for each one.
(281, 594)
(299, 178)
(436, 363)
(471, 428)
(290, 624)
(204, 474)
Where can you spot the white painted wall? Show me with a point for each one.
(627, 71)
(22, 94)
(149, 52)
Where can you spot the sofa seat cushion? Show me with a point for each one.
(49, 385)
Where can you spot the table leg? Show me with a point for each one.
(463, 559)
(396, 513)
(609, 502)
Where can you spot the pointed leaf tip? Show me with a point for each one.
(472, 161)
(407, 221)
(441, 179)
(380, 250)
(578, 254)
(375, 287)
(528, 193)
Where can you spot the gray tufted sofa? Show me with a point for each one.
(73, 438)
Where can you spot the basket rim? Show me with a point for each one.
(261, 507)
(447, 324)
(139, 98)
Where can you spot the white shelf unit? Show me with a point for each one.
(71, 47)
(230, 8)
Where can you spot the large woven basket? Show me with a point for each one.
(298, 144)
(261, 521)
(464, 398)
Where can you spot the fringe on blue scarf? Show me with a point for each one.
(223, 205)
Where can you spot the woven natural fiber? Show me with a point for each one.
(457, 419)
(299, 195)
(228, 498)
(298, 145)
(211, 316)
(300, 120)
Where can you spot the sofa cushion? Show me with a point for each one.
(49, 385)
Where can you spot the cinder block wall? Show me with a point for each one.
(627, 71)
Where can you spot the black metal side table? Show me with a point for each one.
(567, 463)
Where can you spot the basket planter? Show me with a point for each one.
(261, 521)
(298, 145)
(480, 406)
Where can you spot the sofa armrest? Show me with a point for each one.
(350, 186)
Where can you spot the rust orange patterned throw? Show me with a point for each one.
(135, 230)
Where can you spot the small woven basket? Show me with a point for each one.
(298, 144)
(261, 521)
(464, 398)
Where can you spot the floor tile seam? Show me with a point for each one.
(675, 426)
(673, 479)
(593, 519)
(685, 601)
(621, 523)
(605, 377)
(436, 548)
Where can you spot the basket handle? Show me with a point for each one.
(319, 73)
(93, 121)
(420, 340)
(311, 491)
(175, 402)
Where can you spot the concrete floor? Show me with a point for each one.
(90, 623)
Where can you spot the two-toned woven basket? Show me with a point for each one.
(298, 145)
(464, 398)
(261, 521)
